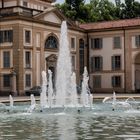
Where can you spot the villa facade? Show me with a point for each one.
(114, 55)
(29, 44)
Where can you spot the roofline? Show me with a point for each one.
(19, 17)
(111, 29)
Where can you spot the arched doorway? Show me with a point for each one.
(51, 61)
(137, 73)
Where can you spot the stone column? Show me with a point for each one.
(14, 84)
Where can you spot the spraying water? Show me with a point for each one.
(33, 104)
(43, 97)
(114, 98)
(50, 89)
(74, 98)
(85, 89)
(64, 68)
(11, 101)
(66, 91)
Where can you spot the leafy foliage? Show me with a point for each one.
(99, 10)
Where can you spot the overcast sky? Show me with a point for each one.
(61, 1)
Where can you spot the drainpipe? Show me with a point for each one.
(124, 63)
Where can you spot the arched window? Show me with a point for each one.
(81, 55)
(51, 42)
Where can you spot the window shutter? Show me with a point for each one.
(137, 41)
(100, 43)
(113, 62)
(113, 81)
(92, 43)
(101, 63)
(10, 36)
(117, 42)
(1, 36)
(92, 64)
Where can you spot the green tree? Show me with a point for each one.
(128, 9)
(73, 9)
(102, 10)
(137, 9)
(99, 10)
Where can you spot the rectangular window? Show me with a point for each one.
(6, 36)
(137, 40)
(97, 81)
(96, 43)
(27, 36)
(28, 80)
(116, 81)
(28, 59)
(6, 59)
(73, 62)
(25, 3)
(117, 42)
(73, 43)
(81, 60)
(116, 62)
(6, 80)
(96, 63)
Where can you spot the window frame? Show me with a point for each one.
(25, 3)
(94, 60)
(6, 36)
(6, 83)
(73, 60)
(97, 83)
(28, 83)
(81, 55)
(73, 42)
(5, 58)
(115, 83)
(28, 60)
(96, 43)
(27, 43)
(117, 42)
(49, 42)
(116, 62)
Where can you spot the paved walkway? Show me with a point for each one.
(95, 96)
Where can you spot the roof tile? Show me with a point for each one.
(111, 24)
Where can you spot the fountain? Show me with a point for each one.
(64, 69)
(43, 96)
(66, 91)
(33, 104)
(50, 89)
(66, 115)
(119, 104)
(11, 101)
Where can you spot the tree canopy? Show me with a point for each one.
(99, 10)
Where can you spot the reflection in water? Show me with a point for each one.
(69, 127)
(96, 124)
